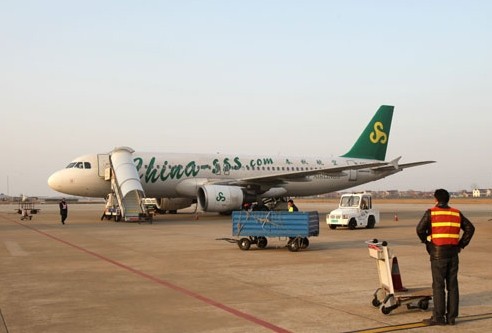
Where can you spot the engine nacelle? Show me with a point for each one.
(220, 198)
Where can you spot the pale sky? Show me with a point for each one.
(301, 78)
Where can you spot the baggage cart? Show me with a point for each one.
(391, 293)
(254, 227)
(27, 208)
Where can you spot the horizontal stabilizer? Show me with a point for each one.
(393, 166)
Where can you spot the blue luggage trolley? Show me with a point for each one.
(253, 227)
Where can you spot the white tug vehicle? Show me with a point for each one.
(355, 210)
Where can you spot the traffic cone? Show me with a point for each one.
(396, 217)
(396, 276)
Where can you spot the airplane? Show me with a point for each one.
(225, 182)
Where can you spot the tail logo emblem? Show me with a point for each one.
(378, 135)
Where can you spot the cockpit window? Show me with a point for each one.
(79, 165)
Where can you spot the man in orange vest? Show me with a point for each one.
(439, 229)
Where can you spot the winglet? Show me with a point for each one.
(373, 141)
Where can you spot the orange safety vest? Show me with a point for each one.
(445, 226)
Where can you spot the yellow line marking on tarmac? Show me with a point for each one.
(410, 326)
(391, 328)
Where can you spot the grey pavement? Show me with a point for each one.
(175, 276)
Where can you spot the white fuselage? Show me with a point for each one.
(179, 175)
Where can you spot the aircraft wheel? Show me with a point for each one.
(244, 244)
(262, 242)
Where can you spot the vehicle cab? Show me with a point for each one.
(354, 210)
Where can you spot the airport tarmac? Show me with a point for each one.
(175, 276)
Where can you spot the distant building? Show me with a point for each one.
(480, 193)
(4, 197)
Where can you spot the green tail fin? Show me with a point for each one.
(372, 143)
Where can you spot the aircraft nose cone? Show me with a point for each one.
(54, 182)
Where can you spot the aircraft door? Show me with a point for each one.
(103, 164)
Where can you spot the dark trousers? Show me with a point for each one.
(63, 214)
(445, 277)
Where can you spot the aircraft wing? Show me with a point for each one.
(298, 175)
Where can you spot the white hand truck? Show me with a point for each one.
(391, 293)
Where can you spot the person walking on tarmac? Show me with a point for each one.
(439, 229)
(63, 210)
(291, 206)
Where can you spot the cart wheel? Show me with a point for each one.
(375, 302)
(293, 245)
(423, 304)
(262, 242)
(304, 242)
(244, 244)
(385, 310)
(352, 224)
(332, 226)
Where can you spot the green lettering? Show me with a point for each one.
(151, 174)
(216, 169)
(238, 163)
(192, 169)
(177, 172)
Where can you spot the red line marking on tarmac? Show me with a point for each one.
(167, 284)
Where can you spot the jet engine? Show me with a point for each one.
(220, 198)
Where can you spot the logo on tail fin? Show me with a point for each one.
(378, 135)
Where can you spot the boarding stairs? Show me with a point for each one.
(125, 184)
